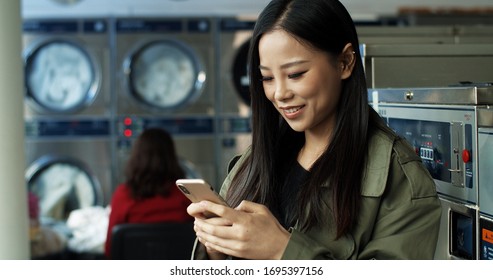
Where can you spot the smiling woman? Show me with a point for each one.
(324, 178)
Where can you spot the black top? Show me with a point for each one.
(295, 178)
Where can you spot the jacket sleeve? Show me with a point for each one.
(302, 247)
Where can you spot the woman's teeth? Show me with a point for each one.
(292, 110)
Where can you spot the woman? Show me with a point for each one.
(149, 194)
(324, 178)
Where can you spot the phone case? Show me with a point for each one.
(197, 190)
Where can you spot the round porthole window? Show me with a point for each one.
(60, 76)
(165, 75)
(62, 185)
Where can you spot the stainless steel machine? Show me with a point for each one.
(165, 78)
(165, 65)
(69, 165)
(485, 144)
(67, 67)
(474, 34)
(425, 34)
(449, 128)
(398, 35)
(192, 138)
(234, 42)
(234, 135)
(427, 65)
(68, 113)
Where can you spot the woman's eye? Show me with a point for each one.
(296, 75)
(266, 79)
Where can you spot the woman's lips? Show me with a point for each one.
(292, 112)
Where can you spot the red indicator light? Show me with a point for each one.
(466, 156)
(127, 121)
(127, 133)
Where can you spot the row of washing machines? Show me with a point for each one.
(92, 85)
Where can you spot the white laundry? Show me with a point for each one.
(88, 226)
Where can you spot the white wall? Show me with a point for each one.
(360, 9)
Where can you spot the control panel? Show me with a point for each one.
(444, 147)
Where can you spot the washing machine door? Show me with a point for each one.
(241, 79)
(62, 185)
(164, 75)
(60, 76)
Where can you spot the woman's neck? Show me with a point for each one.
(314, 147)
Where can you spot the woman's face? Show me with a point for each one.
(302, 83)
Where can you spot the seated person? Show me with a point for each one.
(149, 194)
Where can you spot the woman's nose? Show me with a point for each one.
(282, 91)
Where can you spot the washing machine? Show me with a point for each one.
(234, 42)
(485, 144)
(68, 165)
(165, 78)
(485, 237)
(450, 129)
(234, 113)
(67, 114)
(193, 142)
(67, 68)
(165, 66)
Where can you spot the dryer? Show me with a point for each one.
(234, 102)
(68, 165)
(165, 79)
(186, 134)
(165, 66)
(67, 67)
(234, 42)
(68, 114)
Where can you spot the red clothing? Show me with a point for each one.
(124, 209)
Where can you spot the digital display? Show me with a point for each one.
(462, 236)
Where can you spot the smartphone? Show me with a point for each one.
(197, 190)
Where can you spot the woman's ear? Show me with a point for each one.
(347, 59)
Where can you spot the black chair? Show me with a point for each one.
(161, 241)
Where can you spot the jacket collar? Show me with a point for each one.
(377, 165)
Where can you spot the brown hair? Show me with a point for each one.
(153, 166)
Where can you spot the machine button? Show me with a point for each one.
(466, 156)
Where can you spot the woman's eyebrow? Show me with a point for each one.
(286, 65)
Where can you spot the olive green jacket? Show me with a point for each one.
(399, 217)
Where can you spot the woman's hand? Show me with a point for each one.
(249, 231)
(197, 211)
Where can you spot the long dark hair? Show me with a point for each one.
(153, 166)
(325, 25)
